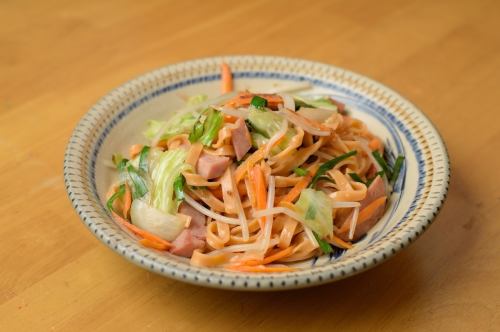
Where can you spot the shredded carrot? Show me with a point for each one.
(269, 259)
(301, 185)
(244, 99)
(248, 163)
(227, 78)
(369, 210)
(134, 150)
(259, 183)
(338, 242)
(153, 244)
(230, 118)
(136, 230)
(260, 268)
(375, 144)
(127, 201)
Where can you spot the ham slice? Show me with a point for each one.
(210, 167)
(374, 192)
(240, 139)
(193, 237)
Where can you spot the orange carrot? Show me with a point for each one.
(375, 144)
(230, 118)
(301, 185)
(248, 163)
(227, 78)
(260, 268)
(369, 210)
(338, 242)
(259, 183)
(269, 259)
(244, 99)
(127, 201)
(134, 150)
(153, 244)
(142, 233)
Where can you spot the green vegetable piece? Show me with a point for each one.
(300, 171)
(196, 133)
(211, 127)
(118, 194)
(397, 168)
(356, 177)
(325, 103)
(323, 245)
(122, 165)
(258, 102)
(316, 207)
(329, 165)
(117, 158)
(196, 99)
(180, 124)
(139, 187)
(179, 183)
(380, 160)
(143, 159)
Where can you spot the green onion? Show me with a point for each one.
(122, 164)
(300, 171)
(310, 213)
(329, 165)
(196, 132)
(326, 178)
(325, 246)
(356, 177)
(382, 163)
(397, 168)
(258, 102)
(118, 194)
(143, 159)
(211, 127)
(179, 183)
(139, 185)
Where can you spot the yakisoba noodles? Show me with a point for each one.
(251, 182)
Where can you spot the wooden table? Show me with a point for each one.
(57, 58)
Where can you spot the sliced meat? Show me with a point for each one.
(186, 243)
(210, 166)
(197, 225)
(374, 192)
(363, 225)
(241, 139)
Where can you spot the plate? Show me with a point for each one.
(117, 120)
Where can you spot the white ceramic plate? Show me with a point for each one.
(118, 119)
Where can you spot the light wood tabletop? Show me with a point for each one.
(58, 57)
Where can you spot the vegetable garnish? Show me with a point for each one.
(397, 168)
(116, 158)
(211, 127)
(143, 159)
(329, 165)
(380, 160)
(196, 133)
(179, 183)
(118, 194)
(138, 184)
(122, 164)
(227, 78)
(356, 177)
(258, 102)
(323, 245)
(300, 171)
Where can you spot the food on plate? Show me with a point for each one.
(253, 181)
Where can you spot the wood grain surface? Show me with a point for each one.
(58, 57)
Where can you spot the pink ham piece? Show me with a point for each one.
(193, 237)
(241, 139)
(375, 191)
(210, 167)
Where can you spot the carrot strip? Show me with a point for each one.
(227, 78)
(134, 150)
(136, 230)
(230, 118)
(369, 210)
(153, 244)
(269, 259)
(248, 163)
(301, 185)
(259, 183)
(260, 268)
(375, 144)
(338, 242)
(127, 201)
